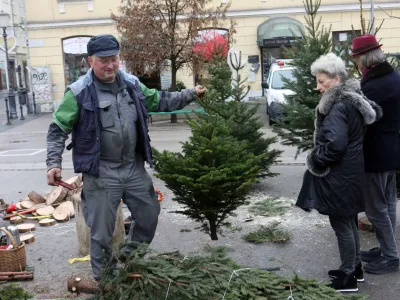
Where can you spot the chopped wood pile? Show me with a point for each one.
(46, 209)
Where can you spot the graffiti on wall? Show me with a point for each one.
(41, 83)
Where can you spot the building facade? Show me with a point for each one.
(58, 31)
(17, 46)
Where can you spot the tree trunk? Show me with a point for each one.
(213, 231)
(174, 118)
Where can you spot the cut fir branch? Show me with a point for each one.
(206, 277)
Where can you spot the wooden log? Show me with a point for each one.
(47, 222)
(15, 273)
(78, 285)
(27, 238)
(83, 231)
(16, 220)
(61, 214)
(16, 277)
(36, 198)
(27, 204)
(28, 227)
(365, 225)
(69, 208)
(75, 181)
(45, 211)
(57, 195)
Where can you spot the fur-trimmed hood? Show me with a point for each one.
(350, 91)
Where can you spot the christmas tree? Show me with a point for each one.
(225, 98)
(225, 155)
(212, 175)
(297, 126)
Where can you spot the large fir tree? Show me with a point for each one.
(297, 126)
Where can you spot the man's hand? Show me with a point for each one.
(200, 90)
(53, 175)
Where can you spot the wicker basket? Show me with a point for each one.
(13, 260)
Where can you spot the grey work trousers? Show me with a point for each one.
(100, 200)
(380, 208)
(346, 231)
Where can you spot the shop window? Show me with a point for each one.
(76, 62)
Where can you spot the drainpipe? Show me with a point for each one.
(372, 17)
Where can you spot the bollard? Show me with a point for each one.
(7, 112)
(22, 101)
(34, 104)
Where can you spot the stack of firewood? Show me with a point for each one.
(46, 209)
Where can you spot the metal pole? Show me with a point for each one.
(372, 17)
(11, 96)
(28, 104)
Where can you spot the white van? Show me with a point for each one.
(274, 88)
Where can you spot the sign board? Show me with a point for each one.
(251, 77)
(278, 42)
(253, 59)
(76, 45)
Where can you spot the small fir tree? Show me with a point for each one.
(297, 126)
(212, 175)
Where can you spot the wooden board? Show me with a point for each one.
(57, 195)
(27, 204)
(16, 220)
(47, 222)
(45, 211)
(35, 197)
(27, 238)
(69, 208)
(28, 227)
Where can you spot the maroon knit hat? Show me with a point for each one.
(364, 44)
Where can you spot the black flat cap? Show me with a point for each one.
(103, 45)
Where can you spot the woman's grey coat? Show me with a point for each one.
(334, 182)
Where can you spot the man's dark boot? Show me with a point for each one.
(382, 266)
(371, 254)
(344, 282)
(359, 274)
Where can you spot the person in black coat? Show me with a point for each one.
(381, 84)
(334, 181)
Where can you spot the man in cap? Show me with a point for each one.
(105, 111)
(380, 83)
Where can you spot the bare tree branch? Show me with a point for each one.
(391, 16)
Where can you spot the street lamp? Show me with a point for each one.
(4, 23)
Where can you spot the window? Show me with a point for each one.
(277, 82)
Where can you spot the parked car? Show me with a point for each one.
(274, 89)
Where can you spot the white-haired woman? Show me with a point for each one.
(334, 181)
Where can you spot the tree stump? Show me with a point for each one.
(84, 231)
